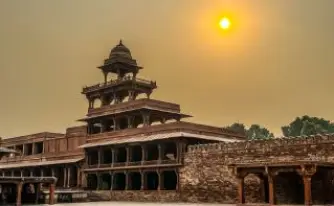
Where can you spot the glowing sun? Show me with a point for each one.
(225, 23)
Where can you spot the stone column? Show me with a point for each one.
(307, 190)
(160, 181)
(241, 192)
(68, 176)
(23, 150)
(306, 172)
(102, 128)
(52, 194)
(78, 184)
(64, 183)
(146, 119)
(12, 173)
(271, 189)
(143, 154)
(19, 193)
(98, 176)
(143, 180)
(31, 173)
(42, 172)
(21, 171)
(161, 151)
(128, 155)
(111, 180)
(127, 180)
(33, 148)
(99, 157)
(113, 156)
(53, 172)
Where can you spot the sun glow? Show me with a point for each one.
(225, 23)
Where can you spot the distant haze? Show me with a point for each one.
(275, 63)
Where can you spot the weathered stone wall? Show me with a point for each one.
(138, 196)
(205, 176)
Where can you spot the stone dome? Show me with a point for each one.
(120, 51)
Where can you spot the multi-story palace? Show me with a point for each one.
(127, 143)
(138, 149)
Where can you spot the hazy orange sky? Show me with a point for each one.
(276, 62)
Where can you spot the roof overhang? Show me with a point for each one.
(131, 110)
(148, 138)
(41, 163)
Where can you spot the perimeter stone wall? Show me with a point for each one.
(205, 176)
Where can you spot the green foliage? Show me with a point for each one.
(255, 131)
(307, 125)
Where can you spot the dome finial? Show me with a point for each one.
(120, 42)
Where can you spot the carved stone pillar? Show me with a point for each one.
(114, 124)
(241, 188)
(307, 171)
(127, 181)
(160, 180)
(19, 193)
(99, 181)
(103, 126)
(161, 151)
(53, 172)
(272, 198)
(68, 176)
(143, 180)
(113, 156)
(37, 192)
(128, 155)
(78, 182)
(99, 156)
(131, 95)
(42, 172)
(51, 194)
(111, 180)
(143, 154)
(307, 190)
(64, 171)
(105, 74)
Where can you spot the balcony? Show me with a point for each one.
(139, 164)
(113, 83)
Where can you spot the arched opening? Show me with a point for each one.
(289, 188)
(121, 154)
(152, 179)
(136, 153)
(123, 123)
(17, 173)
(107, 156)
(106, 181)
(135, 181)
(170, 151)
(169, 180)
(36, 172)
(26, 172)
(93, 157)
(92, 181)
(152, 152)
(119, 181)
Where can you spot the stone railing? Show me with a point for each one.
(307, 145)
(139, 103)
(138, 163)
(164, 128)
(117, 82)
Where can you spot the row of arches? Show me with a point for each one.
(166, 151)
(133, 180)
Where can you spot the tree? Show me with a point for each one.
(255, 131)
(307, 125)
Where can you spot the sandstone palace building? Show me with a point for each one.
(134, 148)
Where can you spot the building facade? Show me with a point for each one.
(134, 148)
